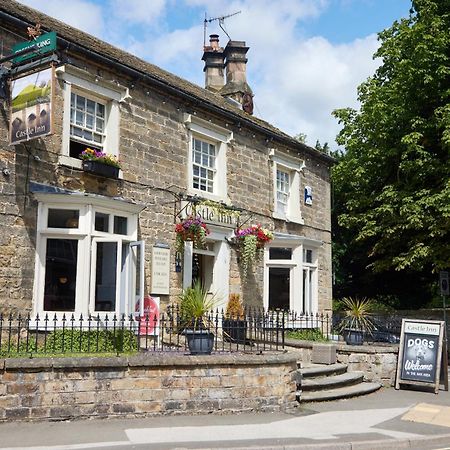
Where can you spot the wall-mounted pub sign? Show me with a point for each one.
(210, 214)
(31, 106)
(45, 43)
(422, 359)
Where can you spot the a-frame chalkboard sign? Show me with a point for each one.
(422, 358)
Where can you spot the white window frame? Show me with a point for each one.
(297, 244)
(85, 84)
(293, 166)
(310, 305)
(86, 236)
(220, 137)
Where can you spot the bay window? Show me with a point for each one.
(88, 259)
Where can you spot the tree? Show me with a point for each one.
(301, 137)
(394, 178)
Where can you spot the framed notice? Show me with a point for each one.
(31, 106)
(422, 359)
(160, 270)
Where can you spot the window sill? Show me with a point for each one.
(288, 218)
(208, 196)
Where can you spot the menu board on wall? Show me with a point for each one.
(160, 270)
(422, 358)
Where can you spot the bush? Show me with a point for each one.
(309, 334)
(70, 341)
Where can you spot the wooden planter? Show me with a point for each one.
(98, 168)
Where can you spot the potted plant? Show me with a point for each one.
(100, 163)
(191, 229)
(250, 242)
(357, 320)
(196, 306)
(234, 324)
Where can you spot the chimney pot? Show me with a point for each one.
(214, 64)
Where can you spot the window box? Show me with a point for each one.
(98, 168)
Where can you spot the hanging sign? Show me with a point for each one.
(149, 320)
(45, 43)
(160, 270)
(422, 358)
(31, 106)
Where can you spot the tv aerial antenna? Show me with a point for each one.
(221, 21)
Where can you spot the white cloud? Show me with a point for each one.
(82, 14)
(138, 11)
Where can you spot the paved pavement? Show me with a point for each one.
(387, 419)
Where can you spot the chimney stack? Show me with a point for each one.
(236, 86)
(214, 64)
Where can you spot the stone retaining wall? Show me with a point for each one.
(70, 388)
(379, 363)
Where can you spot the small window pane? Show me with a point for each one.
(87, 135)
(89, 121)
(80, 102)
(60, 274)
(100, 110)
(90, 107)
(63, 218)
(120, 225)
(308, 256)
(79, 118)
(101, 222)
(280, 253)
(99, 125)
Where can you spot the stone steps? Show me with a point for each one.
(338, 393)
(332, 382)
(320, 382)
(322, 370)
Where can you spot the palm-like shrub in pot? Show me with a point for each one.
(196, 310)
(234, 324)
(357, 320)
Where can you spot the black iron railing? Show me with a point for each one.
(255, 331)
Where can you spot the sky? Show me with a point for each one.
(306, 57)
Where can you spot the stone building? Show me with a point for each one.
(76, 241)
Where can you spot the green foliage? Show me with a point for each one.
(195, 304)
(395, 174)
(310, 334)
(357, 314)
(249, 252)
(301, 137)
(71, 341)
(61, 341)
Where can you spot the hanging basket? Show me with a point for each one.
(191, 229)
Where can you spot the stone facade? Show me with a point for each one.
(154, 146)
(71, 388)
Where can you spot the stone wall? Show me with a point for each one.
(147, 384)
(379, 363)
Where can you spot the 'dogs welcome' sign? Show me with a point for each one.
(422, 354)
